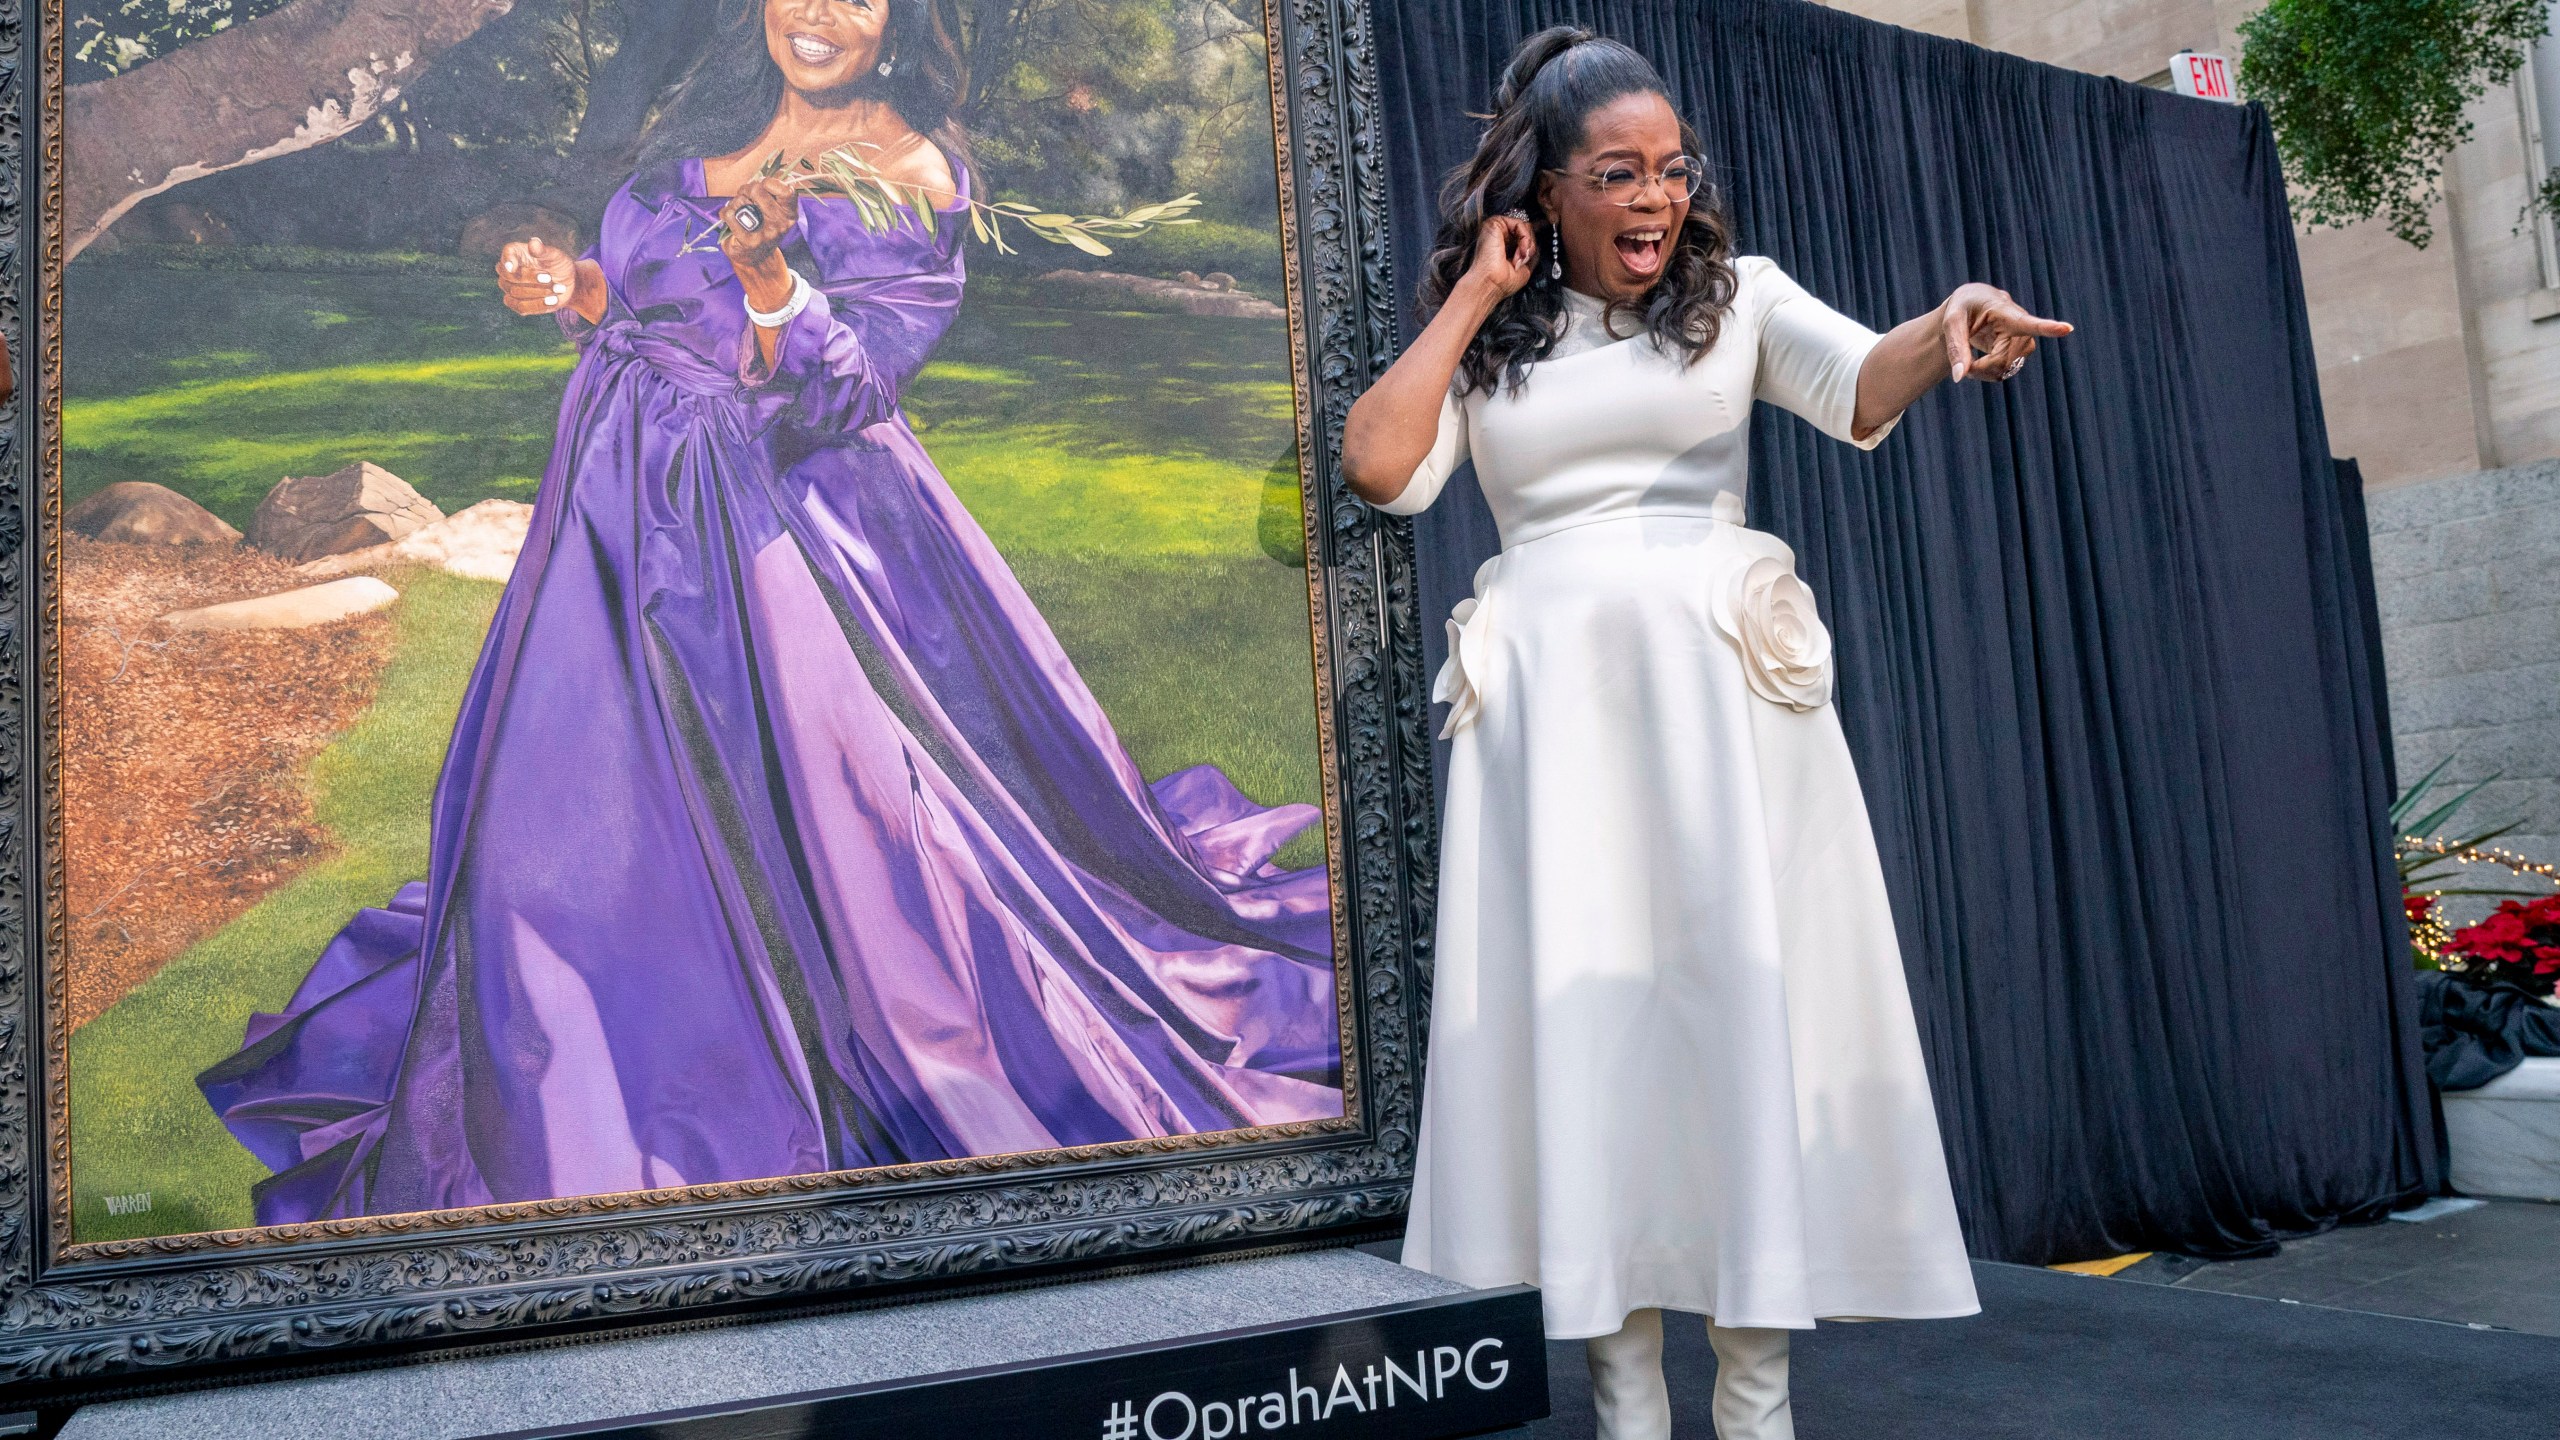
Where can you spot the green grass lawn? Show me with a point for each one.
(217, 384)
(1136, 469)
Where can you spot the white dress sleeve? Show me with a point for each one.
(1448, 452)
(1810, 354)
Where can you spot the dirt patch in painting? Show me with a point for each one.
(184, 753)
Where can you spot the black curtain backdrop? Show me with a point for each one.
(2103, 656)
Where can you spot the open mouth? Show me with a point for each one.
(1641, 250)
(813, 51)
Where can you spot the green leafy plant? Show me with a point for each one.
(878, 197)
(2367, 96)
(2426, 860)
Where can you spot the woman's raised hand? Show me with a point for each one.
(1391, 428)
(756, 221)
(1984, 319)
(536, 277)
(1506, 253)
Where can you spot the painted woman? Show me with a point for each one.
(778, 834)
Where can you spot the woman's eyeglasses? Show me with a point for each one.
(1623, 184)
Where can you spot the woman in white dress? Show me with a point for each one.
(1673, 1063)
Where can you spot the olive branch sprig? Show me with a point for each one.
(847, 173)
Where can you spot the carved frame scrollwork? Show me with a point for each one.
(88, 1318)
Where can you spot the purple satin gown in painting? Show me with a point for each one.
(777, 834)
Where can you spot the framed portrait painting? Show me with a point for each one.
(675, 654)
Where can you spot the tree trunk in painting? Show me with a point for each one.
(657, 43)
(284, 82)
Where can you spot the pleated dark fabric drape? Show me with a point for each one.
(2103, 653)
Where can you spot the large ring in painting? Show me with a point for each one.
(85, 1316)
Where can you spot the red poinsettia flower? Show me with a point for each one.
(2516, 944)
(2503, 935)
(2418, 907)
(2521, 934)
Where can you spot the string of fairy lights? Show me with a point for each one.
(2483, 854)
(2430, 930)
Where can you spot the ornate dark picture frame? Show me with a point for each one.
(84, 1319)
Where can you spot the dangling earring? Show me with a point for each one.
(888, 65)
(1555, 253)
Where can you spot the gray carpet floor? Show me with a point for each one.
(2056, 1357)
(2497, 1264)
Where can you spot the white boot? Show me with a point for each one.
(1751, 1384)
(1626, 1380)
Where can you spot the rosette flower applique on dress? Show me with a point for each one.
(1770, 617)
(1459, 684)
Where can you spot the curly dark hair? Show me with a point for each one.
(1555, 80)
(725, 100)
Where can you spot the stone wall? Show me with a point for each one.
(2467, 570)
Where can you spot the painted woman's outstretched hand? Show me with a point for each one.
(536, 277)
(1990, 335)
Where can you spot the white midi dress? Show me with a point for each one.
(1672, 1055)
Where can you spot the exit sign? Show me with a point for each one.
(2202, 75)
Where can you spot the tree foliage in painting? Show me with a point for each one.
(110, 37)
(1093, 105)
(1104, 103)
